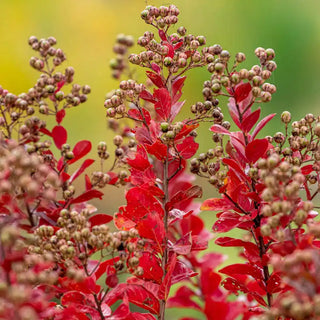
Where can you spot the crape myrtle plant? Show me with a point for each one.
(60, 259)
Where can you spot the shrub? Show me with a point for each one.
(59, 257)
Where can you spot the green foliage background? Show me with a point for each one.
(86, 29)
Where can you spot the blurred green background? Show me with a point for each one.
(86, 29)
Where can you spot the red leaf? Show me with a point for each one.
(183, 245)
(163, 104)
(103, 267)
(235, 166)
(227, 221)
(178, 45)
(256, 149)
(166, 283)
(100, 218)
(82, 148)
(156, 79)
(87, 195)
(238, 268)
(146, 95)
(177, 87)
(73, 297)
(181, 272)
(60, 115)
(155, 68)
(87, 163)
(151, 267)
(217, 128)
(88, 182)
(171, 50)
(45, 131)
(250, 120)
(175, 109)
(162, 35)
(261, 124)
(186, 129)
(152, 227)
(274, 282)
(190, 193)
(216, 204)
(136, 294)
(187, 148)
(183, 299)
(307, 169)
(222, 310)
(231, 242)
(242, 91)
(136, 114)
(158, 149)
(59, 135)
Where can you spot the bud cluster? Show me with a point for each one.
(303, 141)
(209, 165)
(161, 17)
(25, 176)
(18, 284)
(128, 92)
(299, 271)
(119, 64)
(225, 77)
(17, 107)
(76, 239)
(281, 194)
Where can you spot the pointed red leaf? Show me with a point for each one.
(186, 129)
(175, 109)
(102, 268)
(181, 272)
(307, 169)
(100, 218)
(87, 195)
(184, 195)
(158, 149)
(60, 115)
(146, 95)
(87, 163)
(170, 47)
(261, 124)
(162, 35)
(177, 86)
(183, 245)
(248, 122)
(217, 128)
(187, 148)
(166, 283)
(183, 299)
(242, 91)
(136, 114)
(59, 135)
(88, 182)
(156, 79)
(151, 265)
(45, 131)
(256, 149)
(216, 204)
(82, 148)
(155, 68)
(238, 268)
(163, 104)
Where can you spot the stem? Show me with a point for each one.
(165, 240)
(266, 273)
(95, 296)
